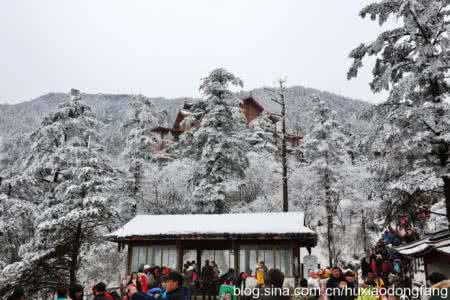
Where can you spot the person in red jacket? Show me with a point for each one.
(386, 267)
(144, 278)
(373, 264)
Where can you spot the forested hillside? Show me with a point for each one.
(19, 120)
(76, 166)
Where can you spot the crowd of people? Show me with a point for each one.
(346, 285)
(384, 262)
(162, 283)
(333, 279)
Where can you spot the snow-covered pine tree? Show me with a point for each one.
(167, 189)
(217, 144)
(77, 182)
(326, 153)
(142, 117)
(261, 188)
(260, 135)
(363, 190)
(16, 227)
(412, 62)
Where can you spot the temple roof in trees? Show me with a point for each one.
(251, 101)
(166, 130)
(182, 113)
(438, 242)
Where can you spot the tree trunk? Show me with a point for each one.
(284, 154)
(74, 255)
(447, 197)
(330, 236)
(329, 210)
(363, 228)
(280, 100)
(14, 254)
(435, 90)
(137, 190)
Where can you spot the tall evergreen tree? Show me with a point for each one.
(76, 180)
(16, 227)
(142, 117)
(412, 62)
(217, 144)
(326, 153)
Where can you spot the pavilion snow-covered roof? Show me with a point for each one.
(436, 242)
(287, 225)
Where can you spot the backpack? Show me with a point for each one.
(397, 266)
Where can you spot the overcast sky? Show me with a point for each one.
(164, 47)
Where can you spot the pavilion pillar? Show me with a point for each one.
(300, 265)
(130, 255)
(296, 263)
(199, 260)
(236, 249)
(180, 254)
(247, 260)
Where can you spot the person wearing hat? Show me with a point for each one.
(100, 292)
(174, 290)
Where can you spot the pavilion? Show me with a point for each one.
(237, 241)
(432, 253)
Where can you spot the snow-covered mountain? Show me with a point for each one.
(109, 108)
(20, 119)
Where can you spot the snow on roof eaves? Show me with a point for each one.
(411, 246)
(414, 250)
(210, 224)
(185, 112)
(444, 249)
(438, 241)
